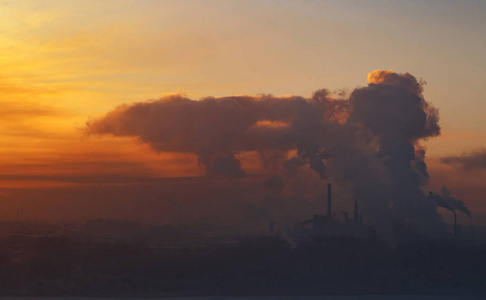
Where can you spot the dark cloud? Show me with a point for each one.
(274, 183)
(367, 142)
(292, 166)
(214, 129)
(467, 161)
(222, 164)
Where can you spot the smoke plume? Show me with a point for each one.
(445, 200)
(367, 141)
(469, 161)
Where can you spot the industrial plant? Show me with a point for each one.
(327, 225)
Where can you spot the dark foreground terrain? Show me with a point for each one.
(59, 266)
(299, 297)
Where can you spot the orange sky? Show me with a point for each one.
(63, 63)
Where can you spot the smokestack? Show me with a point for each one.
(356, 213)
(329, 202)
(271, 227)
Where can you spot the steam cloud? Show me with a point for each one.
(473, 160)
(367, 141)
(445, 200)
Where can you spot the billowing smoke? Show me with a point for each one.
(469, 161)
(367, 141)
(445, 200)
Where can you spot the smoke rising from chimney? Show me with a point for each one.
(445, 200)
(367, 141)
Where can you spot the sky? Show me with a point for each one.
(66, 63)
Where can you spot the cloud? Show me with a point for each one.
(467, 161)
(367, 141)
(9, 110)
(87, 179)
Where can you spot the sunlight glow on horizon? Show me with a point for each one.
(63, 63)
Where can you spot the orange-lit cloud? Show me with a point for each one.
(63, 63)
(405, 80)
(366, 141)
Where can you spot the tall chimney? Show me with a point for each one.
(329, 202)
(271, 227)
(356, 213)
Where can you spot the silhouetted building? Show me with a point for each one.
(327, 225)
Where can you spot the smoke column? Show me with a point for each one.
(445, 200)
(367, 141)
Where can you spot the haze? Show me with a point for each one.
(66, 64)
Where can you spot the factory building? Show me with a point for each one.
(327, 225)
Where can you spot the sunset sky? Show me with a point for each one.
(66, 63)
